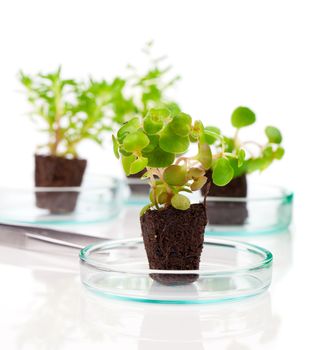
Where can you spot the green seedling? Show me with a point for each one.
(71, 111)
(236, 156)
(150, 88)
(158, 144)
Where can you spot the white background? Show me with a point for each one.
(262, 54)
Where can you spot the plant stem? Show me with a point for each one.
(58, 115)
(169, 191)
(236, 140)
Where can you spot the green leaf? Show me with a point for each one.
(242, 116)
(180, 202)
(181, 124)
(237, 170)
(273, 135)
(198, 183)
(152, 196)
(144, 209)
(222, 172)
(135, 141)
(159, 113)
(132, 126)
(172, 143)
(160, 193)
(268, 152)
(153, 122)
(159, 158)
(156, 192)
(25, 80)
(279, 153)
(123, 152)
(211, 134)
(138, 165)
(153, 143)
(195, 173)
(175, 175)
(240, 157)
(163, 197)
(115, 147)
(126, 162)
(197, 131)
(193, 138)
(255, 164)
(204, 155)
(185, 189)
(229, 144)
(152, 127)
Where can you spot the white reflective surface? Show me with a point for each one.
(44, 306)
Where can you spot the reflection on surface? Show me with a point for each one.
(190, 326)
(60, 312)
(230, 325)
(50, 315)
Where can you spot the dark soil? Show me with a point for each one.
(174, 240)
(51, 171)
(141, 188)
(227, 213)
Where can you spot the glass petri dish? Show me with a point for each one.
(228, 271)
(266, 209)
(98, 199)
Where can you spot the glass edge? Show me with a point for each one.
(116, 181)
(176, 302)
(266, 261)
(272, 230)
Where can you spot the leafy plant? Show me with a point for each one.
(158, 143)
(72, 111)
(151, 87)
(239, 155)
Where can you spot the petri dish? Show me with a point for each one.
(229, 270)
(99, 199)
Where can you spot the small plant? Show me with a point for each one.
(70, 111)
(155, 142)
(243, 157)
(158, 144)
(150, 88)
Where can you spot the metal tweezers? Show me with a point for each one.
(43, 239)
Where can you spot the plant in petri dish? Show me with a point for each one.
(68, 112)
(244, 157)
(172, 227)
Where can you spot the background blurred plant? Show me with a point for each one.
(71, 111)
(240, 154)
(150, 88)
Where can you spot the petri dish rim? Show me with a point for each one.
(266, 260)
(224, 299)
(105, 181)
(92, 206)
